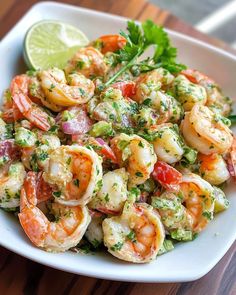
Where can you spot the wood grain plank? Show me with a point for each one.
(162, 17)
(62, 281)
(5, 6)
(97, 5)
(83, 285)
(14, 280)
(132, 10)
(150, 12)
(118, 7)
(202, 286)
(157, 289)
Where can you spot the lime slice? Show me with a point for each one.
(51, 43)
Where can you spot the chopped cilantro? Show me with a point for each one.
(131, 236)
(107, 199)
(76, 182)
(117, 246)
(139, 174)
(56, 194)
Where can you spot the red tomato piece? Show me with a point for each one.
(127, 88)
(167, 176)
(105, 150)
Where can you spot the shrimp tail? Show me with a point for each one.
(35, 228)
(19, 90)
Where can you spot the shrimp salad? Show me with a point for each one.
(115, 152)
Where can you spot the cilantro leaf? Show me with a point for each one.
(139, 38)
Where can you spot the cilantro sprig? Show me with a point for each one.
(139, 39)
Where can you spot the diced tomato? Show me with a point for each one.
(112, 43)
(167, 176)
(127, 88)
(105, 150)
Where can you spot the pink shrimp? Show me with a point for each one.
(31, 111)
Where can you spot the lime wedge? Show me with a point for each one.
(51, 43)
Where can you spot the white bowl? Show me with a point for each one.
(188, 261)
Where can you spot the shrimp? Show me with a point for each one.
(64, 233)
(114, 108)
(188, 93)
(231, 159)
(136, 154)
(87, 61)
(213, 168)
(94, 232)
(136, 235)
(78, 90)
(36, 91)
(110, 43)
(215, 98)
(202, 131)
(149, 84)
(113, 194)
(36, 156)
(76, 171)
(31, 111)
(168, 145)
(10, 185)
(189, 210)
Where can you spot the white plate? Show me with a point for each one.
(189, 261)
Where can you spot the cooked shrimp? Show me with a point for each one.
(114, 108)
(231, 159)
(213, 168)
(136, 235)
(188, 210)
(87, 61)
(202, 131)
(168, 145)
(76, 171)
(36, 156)
(94, 232)
(36, 91)
(188, 93)
(77, 90)
(64, 233)
(111, 43)
(31, 111)
(215, 98)
(113, 194)
(136, 154)
(149, 84)
(10, 185)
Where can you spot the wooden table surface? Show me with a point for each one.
(22, 276)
